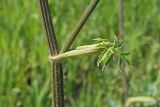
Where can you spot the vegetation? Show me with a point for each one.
(24, 68)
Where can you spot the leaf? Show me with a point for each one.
(119, 43)
(100, 40)
(126, 53)
(105, 57)
(102, 56)
(107, 60)
(111, 49)
(126, 60)
(115, 39)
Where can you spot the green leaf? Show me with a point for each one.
(126, 60)
(126, 53)
(111, 49)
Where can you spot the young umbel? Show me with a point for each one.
(105, 49)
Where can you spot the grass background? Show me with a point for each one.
(24, 66)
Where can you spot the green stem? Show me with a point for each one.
(79, 25)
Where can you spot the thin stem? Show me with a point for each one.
(121, 18)
(57, 71)
(80, 24)
(121, 36)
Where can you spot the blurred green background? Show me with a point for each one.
(24, 66)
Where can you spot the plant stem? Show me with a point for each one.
(121, 18)
(82, 50)
(125, 76)
(56, 67)
(80, 24)
(142, 99)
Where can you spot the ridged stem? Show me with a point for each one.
(56, 67)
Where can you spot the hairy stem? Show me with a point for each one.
(79, 25)
(56, 67)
